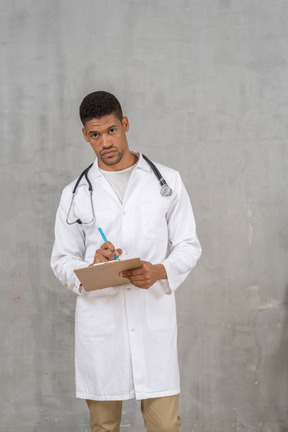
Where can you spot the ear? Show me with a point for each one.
(125, 123)
(85, 134)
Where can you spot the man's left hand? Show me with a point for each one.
(145, 276)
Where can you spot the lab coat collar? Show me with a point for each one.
(96, 172)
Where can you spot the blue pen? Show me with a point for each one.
(105, 240)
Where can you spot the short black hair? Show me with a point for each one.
(99, 104)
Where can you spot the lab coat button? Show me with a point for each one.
(132, 330)
(128, 289)
(124, 213)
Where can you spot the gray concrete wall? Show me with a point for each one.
(204, 84)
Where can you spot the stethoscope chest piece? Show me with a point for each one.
(165, 190)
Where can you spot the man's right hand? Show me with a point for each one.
(106, 253)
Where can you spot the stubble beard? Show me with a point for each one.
(113, 161)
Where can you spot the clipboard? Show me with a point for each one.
(106, 274)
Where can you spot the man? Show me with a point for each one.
(125, 336)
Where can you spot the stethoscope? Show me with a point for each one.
(164, 191)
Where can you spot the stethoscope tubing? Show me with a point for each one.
(165, 189)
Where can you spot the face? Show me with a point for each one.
(107, 136)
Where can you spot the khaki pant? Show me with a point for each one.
(159, 414)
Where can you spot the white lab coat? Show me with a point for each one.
(126, 337)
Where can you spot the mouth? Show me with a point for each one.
(108, 153)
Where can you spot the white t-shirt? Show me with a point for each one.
(119, 180)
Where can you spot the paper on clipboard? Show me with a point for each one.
(104, 275)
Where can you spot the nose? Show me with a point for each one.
(106, 141)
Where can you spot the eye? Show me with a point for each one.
(112, 131)
(94, 136)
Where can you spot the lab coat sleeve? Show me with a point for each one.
(185, 248)
(69, 247)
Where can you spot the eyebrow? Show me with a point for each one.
(110, 127)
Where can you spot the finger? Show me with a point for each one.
(138, 278)
(99, 257)
(107, 246)
(115, 254)
(134, 272)
(134, 279)
(104, 254)
(139, 281)
(125, 275)
(141, 285)
(118, 252)
(108, 253)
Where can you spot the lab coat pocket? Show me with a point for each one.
(160, 308)
(154, 222)
(95, 313)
